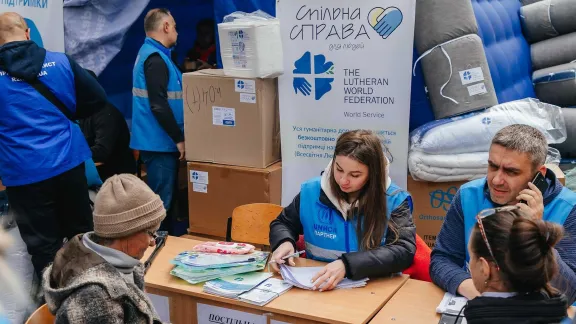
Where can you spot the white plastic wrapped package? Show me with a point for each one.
(251, 45)
(474, 132)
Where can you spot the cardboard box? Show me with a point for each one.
(215, 190)
(432, 200)
(230, 120)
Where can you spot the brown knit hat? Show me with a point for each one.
(126, 205)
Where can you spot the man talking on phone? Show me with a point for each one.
(516, 159)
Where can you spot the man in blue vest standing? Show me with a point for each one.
(158, 116)
(42, 152)
(517, 154)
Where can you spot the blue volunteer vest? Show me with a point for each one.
(37, 141)
(326, 233)
(474, 199)
(147, 134)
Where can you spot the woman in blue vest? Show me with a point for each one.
(512, 261)
(352, 216)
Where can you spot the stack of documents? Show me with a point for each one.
(451, 304)
(265, 292)
(196, 267)
(234, 286)
(301, 277)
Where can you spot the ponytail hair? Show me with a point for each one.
(523, 248)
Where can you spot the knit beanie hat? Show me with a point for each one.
(126, 205)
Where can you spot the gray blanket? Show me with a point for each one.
(464, 63)
(527, 2)
(555, 51)
(556, 85)
(549, 18)
(439, 21)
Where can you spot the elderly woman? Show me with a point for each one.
(97, 277)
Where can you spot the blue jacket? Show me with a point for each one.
(449, 256)
(329, 236)
(147, 134)
(37, 141)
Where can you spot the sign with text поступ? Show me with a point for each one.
(347, 66)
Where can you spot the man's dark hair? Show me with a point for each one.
(154, 17)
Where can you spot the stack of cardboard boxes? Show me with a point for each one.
(232, 132)
(431, 201)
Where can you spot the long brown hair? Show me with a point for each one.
(366, 148)
(523, 248)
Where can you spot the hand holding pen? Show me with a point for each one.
(293, 255)
(284, 251)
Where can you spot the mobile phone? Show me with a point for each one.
(540, 182)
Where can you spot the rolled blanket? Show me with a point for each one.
(439, 21)
(458, 77)
(556, 85)
(536, 22)
(474, 132)
(528, 2)
(447, 167)
(555, 51)
(549, 18)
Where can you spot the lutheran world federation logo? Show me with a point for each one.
(317, 71)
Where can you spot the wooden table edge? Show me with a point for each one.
(158, 289)
(406, 279)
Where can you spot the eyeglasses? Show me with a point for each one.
(489, 212)
(154, 235)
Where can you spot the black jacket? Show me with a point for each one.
(157, 77)
(109, 139)
(379, 262)
(534, 308)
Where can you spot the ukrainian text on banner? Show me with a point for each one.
(347, 66)
(44, 18)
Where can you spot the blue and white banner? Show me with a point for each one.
(44, 18)
(347, 66)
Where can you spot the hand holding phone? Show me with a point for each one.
(531, 200)
(540, 182)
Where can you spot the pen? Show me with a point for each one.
(295, 254)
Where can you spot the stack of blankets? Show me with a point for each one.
(550, 27)
(456, 149)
